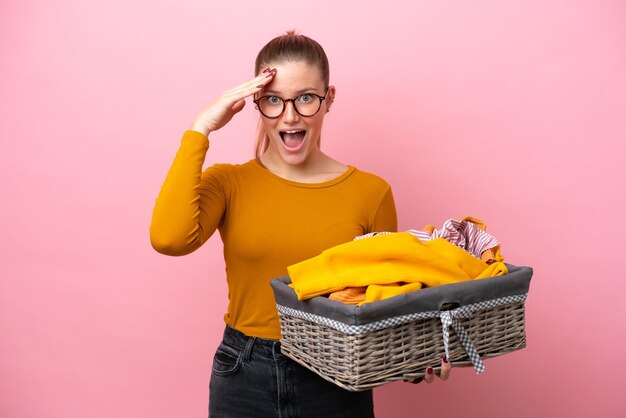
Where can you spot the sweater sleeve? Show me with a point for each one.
(191, 204)
(385, 217)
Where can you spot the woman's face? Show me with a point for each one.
(293, 79)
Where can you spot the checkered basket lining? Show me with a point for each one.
(358, 357)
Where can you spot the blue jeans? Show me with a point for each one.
(251, 378)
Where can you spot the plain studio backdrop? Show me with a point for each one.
(510, 111)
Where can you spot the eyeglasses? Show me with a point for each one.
(307, 104)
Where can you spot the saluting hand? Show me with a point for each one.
(222, 110)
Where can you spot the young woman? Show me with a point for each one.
(288, 204)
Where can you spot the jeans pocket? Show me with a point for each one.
(227, 360)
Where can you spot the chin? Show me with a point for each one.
(294, 160)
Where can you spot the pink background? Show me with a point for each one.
(511, 111)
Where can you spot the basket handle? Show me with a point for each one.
(448, 306)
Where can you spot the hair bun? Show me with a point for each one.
(291, 32)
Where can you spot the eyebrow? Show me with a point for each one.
(297, 92)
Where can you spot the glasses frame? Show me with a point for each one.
(293, 102)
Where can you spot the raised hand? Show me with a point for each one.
(222, 110)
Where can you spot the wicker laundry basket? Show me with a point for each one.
(361, 347)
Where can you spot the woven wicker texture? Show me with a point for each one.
(363, 361)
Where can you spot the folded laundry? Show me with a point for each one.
(469, 233)
(388, 259)
(351, 295)
(373, 292)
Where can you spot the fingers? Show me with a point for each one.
(251, 86)
(446, 367)
(267, 77)
(238, 105)
(429, 376)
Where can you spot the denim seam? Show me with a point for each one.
(234, 369)
(277, 383)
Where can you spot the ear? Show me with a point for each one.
(330, 98)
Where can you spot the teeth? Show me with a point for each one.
(293, 132)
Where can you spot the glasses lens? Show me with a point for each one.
(307, 104)
(271, 106)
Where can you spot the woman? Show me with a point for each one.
(286, 205)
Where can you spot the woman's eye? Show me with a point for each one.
(273, 100)
(305, 98)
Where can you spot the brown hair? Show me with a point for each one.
(289, 47)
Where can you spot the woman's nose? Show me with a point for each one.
(290, 114)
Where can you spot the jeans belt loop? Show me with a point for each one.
(247, 351)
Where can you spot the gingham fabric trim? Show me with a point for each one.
(447, 318)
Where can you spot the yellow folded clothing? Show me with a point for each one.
(373, 292)
(385, 260)
(351, 295)
(383, 291)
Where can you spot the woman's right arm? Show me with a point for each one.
(191, 204)
(177, 228)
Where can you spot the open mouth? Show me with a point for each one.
(293, 138)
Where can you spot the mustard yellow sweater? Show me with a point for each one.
(266, 223)
(388, 260)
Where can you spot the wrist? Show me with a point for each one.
(201, 129)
